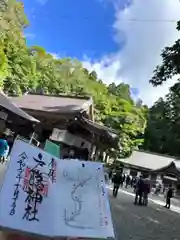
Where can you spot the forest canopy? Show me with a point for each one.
(163, 128)
(26, 68)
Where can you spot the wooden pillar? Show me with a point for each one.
(92, 152)
(96, 156)
(101, 156)
(103, 153)
(106, 158)
(92, 112)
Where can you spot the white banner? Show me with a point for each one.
(47, 196)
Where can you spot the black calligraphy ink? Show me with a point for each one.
(34, 195)
(35, 189)
(39, 161)
(52, 170)
(103, 191)
(17, 185)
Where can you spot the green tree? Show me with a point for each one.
(162, 133)
(121, 90)
(170, 63)
(25, 69)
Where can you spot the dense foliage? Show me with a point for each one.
(170, 63)
(24, 68)
(163, 129)
(162, 134)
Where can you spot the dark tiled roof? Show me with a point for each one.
(6, 103)
(172, 167)
(98, 127)
(49, 103)
(106, 135)
(150, 160)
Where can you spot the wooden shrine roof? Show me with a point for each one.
(152, 161)
(7, 104)
(52, 103)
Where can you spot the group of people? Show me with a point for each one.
(141, 185)
(142, 189)
(119, 180)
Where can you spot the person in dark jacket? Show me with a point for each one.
(110, 173)
(169, 196)
(128, 179)
(146, 191)
(117, 180)
(139, 191)
(135, 183)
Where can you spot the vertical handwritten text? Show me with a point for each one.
(21, 162)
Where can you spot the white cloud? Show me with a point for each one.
(135, 63)
(55, 55)
(29, 35)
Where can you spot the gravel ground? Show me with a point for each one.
(143, 223)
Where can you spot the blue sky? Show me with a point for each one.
(75, 28)
(105, 39)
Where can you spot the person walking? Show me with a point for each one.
(117, 180)
(110, 173)
(146, 191)
(106, 177)
(128, 179)
(123, 179)
(135, 184)
(139, 191)
(132, 182)
(169, 196)
(158, 189)
(4, 148)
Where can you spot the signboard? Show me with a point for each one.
(47, 196)
(52, 148)
(68, 138)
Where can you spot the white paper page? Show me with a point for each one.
(108, 219)
(13, 212)
(82, 201)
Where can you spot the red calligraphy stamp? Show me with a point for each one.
(28, 182)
